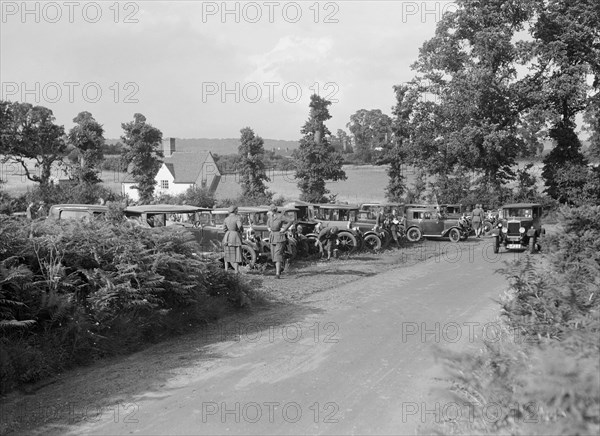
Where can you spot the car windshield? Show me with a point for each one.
(182, 218)
(291, 214)
(74, 214)
(514, 212)
(219, 218)
(337, 214)
(254, 218)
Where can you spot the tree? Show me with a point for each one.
(142, 154)
(341, 142)
(566, 150)
(474, 124)
(87, 136)
(526, 190)
(396, 153)
(29, 133)
(566, 48)
(315, 159)
(251, 166)
(372, 132)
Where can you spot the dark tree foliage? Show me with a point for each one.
(142, 154)
(566, 151)
(87, 136)
(315, 160)
(372, 131)
(396, 151)
(251, 166)
(28, 133)
(567, 52)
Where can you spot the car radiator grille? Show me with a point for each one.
(513, 228)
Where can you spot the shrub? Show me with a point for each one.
(554, 306)
(74, 291)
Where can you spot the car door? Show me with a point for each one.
(431, 225)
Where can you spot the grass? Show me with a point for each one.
(364, 183)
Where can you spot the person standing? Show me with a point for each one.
(477, 219)
(278, 224)
(232, 241)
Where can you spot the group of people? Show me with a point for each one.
(278, 224)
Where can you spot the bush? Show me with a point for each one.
(113, 163)
(554, 306)
(193, 196)
(71, 292)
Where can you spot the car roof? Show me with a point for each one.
(382, 204)
(165, 208)
(518, 205)
(253, 209)
(419, 206)
(422, 209)
(298, 203)
(93, 207)
(337, 206)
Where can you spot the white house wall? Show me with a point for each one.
(208, 173)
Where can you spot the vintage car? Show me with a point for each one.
(490, 221)
(164, 215)
(345, 218)
(76, 211)
(430, 223)
(367, 216)
(304, 216)
(452, 210)
(210, 223)
(519, 227)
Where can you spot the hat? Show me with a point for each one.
(232, 209)
(334, 229)
(273, 208)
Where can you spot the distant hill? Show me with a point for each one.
(228, 145)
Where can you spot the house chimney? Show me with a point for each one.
(168, 146)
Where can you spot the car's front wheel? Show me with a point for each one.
(454, 235)
(347, 242)
(496, 245)
(248, 256)
(372, 242)
(414, 234)
(486, 228)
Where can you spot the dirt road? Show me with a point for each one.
(354, 359)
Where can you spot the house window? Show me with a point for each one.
(164, 184)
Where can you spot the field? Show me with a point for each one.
(365, 183)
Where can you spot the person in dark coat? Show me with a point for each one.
(329, 238)
(477, 218)
(278, 224)
(232, 241)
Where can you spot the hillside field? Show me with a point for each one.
(365, 183)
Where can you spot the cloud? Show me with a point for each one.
(290, 54)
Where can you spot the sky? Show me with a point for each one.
(209, 69)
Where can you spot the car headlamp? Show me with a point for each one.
(504, 230)
(499, 225)
(521, 229)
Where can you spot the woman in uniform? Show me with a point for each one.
(232, 241)
(278, 224)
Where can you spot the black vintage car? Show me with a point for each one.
(519, 227)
